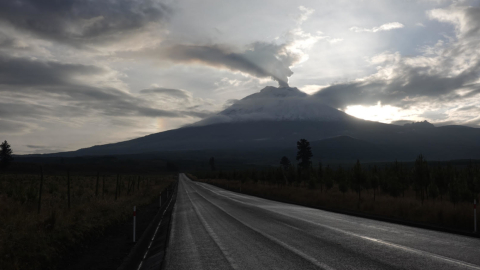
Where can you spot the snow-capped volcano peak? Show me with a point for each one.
(277, 104)
(277, 92)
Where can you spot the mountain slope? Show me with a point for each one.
(277, 104)
(272, 120)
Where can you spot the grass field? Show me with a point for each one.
(35, 233)
(438, 212)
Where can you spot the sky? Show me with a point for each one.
(78, 73)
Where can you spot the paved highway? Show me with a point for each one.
(217, 229)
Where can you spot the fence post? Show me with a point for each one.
(474, 215)
(103, 186)
(40, 191)
(134, 221)
(68, 188)
(116, 188)
(96, 186)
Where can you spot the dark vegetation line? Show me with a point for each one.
(49, 210)
(438, 193)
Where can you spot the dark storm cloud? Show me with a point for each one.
(27, 72)
(7, 42)
(402, 91)
(68, 84)
(261, 60)
(77, 21)
(8, 108)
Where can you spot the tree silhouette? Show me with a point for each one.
(285, 163)
(212, 163)
(5, 154)
(304, 153)
(342, 181)
(320, 177)
(421, 176)
(359, 179)
(374, 181)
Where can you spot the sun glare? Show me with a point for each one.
(384, 114)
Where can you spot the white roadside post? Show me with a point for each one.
(134, 221)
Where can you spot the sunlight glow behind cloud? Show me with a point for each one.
(383, 27)
(379, 113)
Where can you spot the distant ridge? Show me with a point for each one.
(269, 123)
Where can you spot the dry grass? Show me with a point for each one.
(31, 240)
(433, 212)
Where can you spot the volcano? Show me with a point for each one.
(268, 124)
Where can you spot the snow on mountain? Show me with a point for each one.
(277, 104)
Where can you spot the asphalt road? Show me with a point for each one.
(217, 229)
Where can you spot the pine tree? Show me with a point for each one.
(375, 181)
(285, 163)
(304, 153)
(358, 178)
(320, 176)
(341, 179)
(421, 176)
(212, 163)
(5, 154)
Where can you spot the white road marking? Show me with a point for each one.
(279, 242)
(214, 236)
(374, 240)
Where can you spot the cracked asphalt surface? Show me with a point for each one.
(213, 228)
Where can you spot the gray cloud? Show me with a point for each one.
(261, 60)
(167, 91)
(13, 127)
(402, 91)
(67, 90)
(35, 146)
(436, 78)
(28, 72)
(79, 21)
(468, 108)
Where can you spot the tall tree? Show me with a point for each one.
(304, 154)
(5, 154)
(212, 163)
(341, 179)
(284, 167)
(358, 178)
(320, 177)
(374, 181)
(285, 163)
(421, 176)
